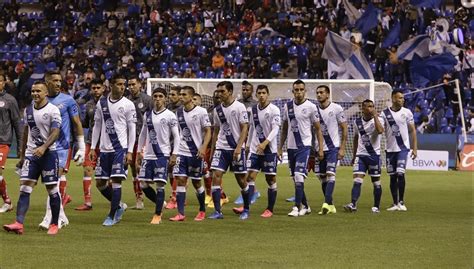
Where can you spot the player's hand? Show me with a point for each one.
(173, 160)
(79, 157)
(201, 152)
(39, 151)
(129, 158)
(247, 150)
(414, 154)
(374, 113)
(92, 155)
(237, 153)
(261, 148)
(139, 159)
(20, 163)
(280, 155)
(352, 161)
(340, 154)
(320, 155)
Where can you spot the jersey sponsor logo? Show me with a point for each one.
(226, 129)
(140, 105)
(300, 164)
(267, 115)
(163, 121)
(324, 129)
(159, 170)
(294, 125)
(269, 164)
(186, 134)
(259, 131)
(47, 173)
(117, 166)
(152, 134)
(60, 106)
(194, 118)
(2, 104)
(304, 111)
(45, 116)
(121, 110)
(109, 126)
(233, 113)
(36, 135)
(173, 122)
(395, 130)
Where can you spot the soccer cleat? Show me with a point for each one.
(332, 209)
(350, 207)
(402, 207)
(294, 212)
(238, 210)
(63, 222)
(255, 196)
(139, 204)
(305, 211)
(267, 214)
(53, 229)
(324, 209)
(44, 225)
(66, 200)
(15, 227)
(6, 208)
(84, 207)
(375, 210)
(239, 200)
(291, 199)
(393, 207)
(156, 219)
(200, 216)
(244, 215)
(178, 217)
(119, 213)
(171, 204)
(216, 215)
(109, 222)
(208, 199)
(224, 200)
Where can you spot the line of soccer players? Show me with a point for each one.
(163, 140)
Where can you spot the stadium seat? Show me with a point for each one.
(37, 49)
(305, 75)
(168, 50)
(109, 74)
(51, 66)
(458, 130)
(140, 33)
(15, 49)
(45, 41)
(417, 117)
(449, 114)
(163, 66)
(176, 40)
(197, 41)
(277, 41)
(423, 103)
(244, 41)
(87, 33)
(55, 41)
(237, 50)
(7, 56)
(446, 130)
(69, 50)
(211, 74)
(4, 48)
(276, 68)
(175, 66)
(293, 51)
(185, 66)
(195, 67)
(202, 50)
(256, 41)
(17, 57)
(444, 122)
(238, 58)
(107, 66)
(54, 24)
(147, 24)
(228, 58)
(188, 41)
(140, 65)
(200, 74)
(288, 42)
(28, 57)
(165, 41)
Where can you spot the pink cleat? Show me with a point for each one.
(238, 210)
(267, 214)
(53, 229)
(171, 204)
(67, 199)
(200, 216)
(14, 227)
(178, 217)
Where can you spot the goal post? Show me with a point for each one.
(348, 93)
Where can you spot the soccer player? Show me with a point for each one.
(96, 91)
(262, 144)
(195, 135)
(70, 120)
(366, 154)
(39, 157)
(142, 103)
(299, 115)
(114, 123)
(331, 117)
(155, 136)
(230, 133)
(10, 121)
(399, 125)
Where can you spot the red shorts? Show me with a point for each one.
(135, 153)
(87, 161)
(4, 149)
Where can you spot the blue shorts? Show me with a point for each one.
(266, 163)
(111, 164)
(328, 164)
(365, 163)
(223, 159)
(154, 170)
(187, 166)
(46, 166)
(396, 162)
(64, 158)
(298, 160)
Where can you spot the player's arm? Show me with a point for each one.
(175, 133)
(283, 136)
(141, 144)
(244, 129)
(15, 121)
(249, 137)
(355, 142)
(132, 132)
(53, 136)
(273, 133)
(96, 131)
(215, 133)
(22, 146)
(73, 111)
(378, 124)
(342, 149)
(413, 142)
(205, 142)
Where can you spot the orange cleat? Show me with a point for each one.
(67, 199)
(53, 229)
(267, 214)
(200, 216)
(178, 217)
(238, 210)
(171, 204)
(156, 219)
(15, 227)
(83, 207)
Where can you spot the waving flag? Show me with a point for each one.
(369, 19)
(418, 45)
(431, 69)
(426, 3)
(352, 13)
(393, 37)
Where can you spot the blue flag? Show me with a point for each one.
(369, 19)
(418, 45)
(393, 37)
(431, 69)
(426, 3)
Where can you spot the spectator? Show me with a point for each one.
(49, 53)
(217, 61)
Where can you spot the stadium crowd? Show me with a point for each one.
(221, 39)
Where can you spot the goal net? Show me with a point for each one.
(347, 93)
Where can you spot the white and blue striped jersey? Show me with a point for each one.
(191, 126)
(396, 129)
(300, 122)
(155, 136)
(369, 139)
(40, 122)
(228, 119)
(261, 125)
(330, 118)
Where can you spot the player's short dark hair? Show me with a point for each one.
(263, 87)
(366, 101)
(325, 87)
(246, 83)
(396, 91)
(189, 88)
(133, 76)
(226, 84)
(298, 81)
(197, 95)
(117, 77)
(97, 81)
(40, 82)
(49, 74)
(175, 89)
(160, 90)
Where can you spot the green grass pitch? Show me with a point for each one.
(436, 232)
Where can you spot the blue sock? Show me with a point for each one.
(272, 195)
(22, 206)
(401, 187)
(180, 199)
(303, 200)
(323, 186)
(251, 191)
(55, 204)
(201, 199)
(394, 188)
(356, 192)
(329, 190)
(115, 203)
(377, 195)
(299, 192)
(216, 198)
(160, 199)
(150, 193)
(107, 193)
(246, 197)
